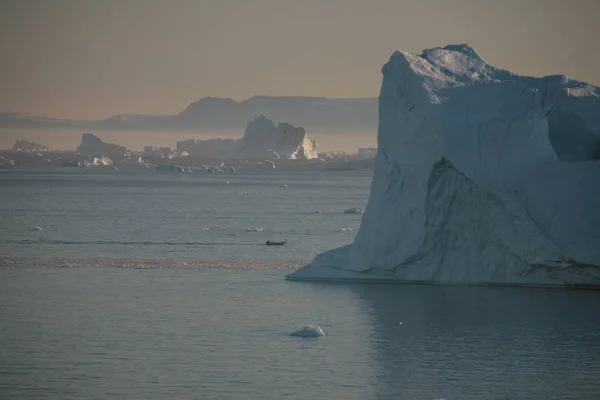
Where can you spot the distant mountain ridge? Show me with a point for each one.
(211, 113)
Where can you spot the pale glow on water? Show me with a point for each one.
(224, 333)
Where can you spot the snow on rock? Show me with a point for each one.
(309, 331)
(284, 140)
(482, 177)
(92, 146)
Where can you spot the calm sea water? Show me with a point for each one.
(223, 333)
(89, 213)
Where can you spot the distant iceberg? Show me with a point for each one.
(482, 176)
(30, 147)
(92, 146)
(262, 139)
(283, 141)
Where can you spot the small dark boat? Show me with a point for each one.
(270, 243)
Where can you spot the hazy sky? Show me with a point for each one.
(96, 58)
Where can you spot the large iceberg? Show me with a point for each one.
(262, 138)
(482, 176)
(287, 140)
(92, 146)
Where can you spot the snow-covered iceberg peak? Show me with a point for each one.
(482, 176)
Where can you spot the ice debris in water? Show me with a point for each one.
(151, 264)
(354, 210)
(309, 331)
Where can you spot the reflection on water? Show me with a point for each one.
(484, 343)
(181, 333)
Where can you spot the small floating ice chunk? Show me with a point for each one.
(354, 210)
(309, 331)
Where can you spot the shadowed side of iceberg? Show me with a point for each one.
(468, 241)
(482, 176)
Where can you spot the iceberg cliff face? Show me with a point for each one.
(92, 146)
(482, 176)
(262, 139)
(285, 139)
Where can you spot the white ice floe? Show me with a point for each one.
(354, 210)
(309, 331)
